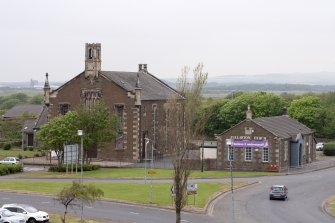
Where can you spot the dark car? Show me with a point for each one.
(278, 192)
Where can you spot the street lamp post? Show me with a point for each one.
(145, 160)
(81, 134)
(151, 165)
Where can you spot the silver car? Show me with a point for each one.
(9, 217)
(11, 160)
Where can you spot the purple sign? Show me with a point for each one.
(250, 144)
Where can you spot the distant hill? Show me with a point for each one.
(317, 78)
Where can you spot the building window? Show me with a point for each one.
(248, 154)
(230, 153)
(90, 97)
(265, 155)
(120, 133)
(64, 108)
(285, 150)
(154, 124)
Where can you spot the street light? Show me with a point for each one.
(145, 160)
(151, 165)
(81, 134)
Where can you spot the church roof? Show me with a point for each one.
(151, 87)
(283, 126)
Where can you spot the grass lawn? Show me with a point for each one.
(138, 173)
(56, 218)
(128, 192)
(17, 152)
(330, 206)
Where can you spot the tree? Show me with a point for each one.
(308, 110)
(37, 99)
(182, 129)
(59, 131)
(99, 125)
(263, 105)
(77, 192)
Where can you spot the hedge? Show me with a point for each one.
(86, 167)
(329, 149)
(6, 169)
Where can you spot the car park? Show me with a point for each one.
(7, 216)
(278, 192)
(11, 160)
(319, 146)
(31, 214)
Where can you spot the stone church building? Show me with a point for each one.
(266, 144)
(138, 99)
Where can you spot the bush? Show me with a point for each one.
(10, 168)
(7, 146)
(329, 149)
(36, 155)
(86, 167)
(20, 156)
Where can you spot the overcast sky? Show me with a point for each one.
(229, 37)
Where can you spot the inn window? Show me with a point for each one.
(265, 155)
(64, 108)
(154, 124)
(119, 109)
(248, 154)
(230, 153)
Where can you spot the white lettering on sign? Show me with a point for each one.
(261, 138)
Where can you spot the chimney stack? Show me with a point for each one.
(249, 113)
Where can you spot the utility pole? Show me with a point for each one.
(81, 134)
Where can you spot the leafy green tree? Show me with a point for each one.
(263, 105)
(99, 125)
(69, 196)
(37, 99)
(308, 110)
(212, 126)
(59, 131)
(10, 103)
(22, 97)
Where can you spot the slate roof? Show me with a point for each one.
(42, 119)
(283, 126)
(18, 110)
(28, 126)
(152, 87)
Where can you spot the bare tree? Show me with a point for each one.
(77, 192)
(182, 128)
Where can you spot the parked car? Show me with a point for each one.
(31, 214)
(319, 146)
(278, 192)
(9, 217)
(11, 160)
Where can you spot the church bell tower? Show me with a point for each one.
(92, 60)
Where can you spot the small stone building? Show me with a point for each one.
(31, 116)
(266, 144)
(138, 99)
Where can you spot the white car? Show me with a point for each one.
(11, 160)
(319, 146)
(31, 214)
(9, 217)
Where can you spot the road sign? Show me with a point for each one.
(151, 172)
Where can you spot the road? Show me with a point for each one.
(252, 205)
(306, 194)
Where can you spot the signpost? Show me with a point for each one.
(71, 156)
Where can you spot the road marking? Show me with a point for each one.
(134, 213)
(184, 220)
(45, 202)
(5, 198)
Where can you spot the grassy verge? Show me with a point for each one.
(330, 206)
(138, 173)
(16, 152)
(56, 218)
(127, 192)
